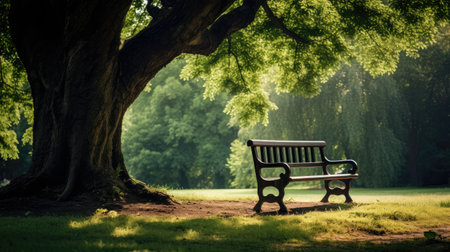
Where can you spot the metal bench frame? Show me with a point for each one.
(295, 154)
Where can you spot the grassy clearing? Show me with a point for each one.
(314, 231)
(299, 193)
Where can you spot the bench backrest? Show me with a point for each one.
(295, 153)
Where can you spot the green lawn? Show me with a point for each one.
(298, 193)
(378, 212)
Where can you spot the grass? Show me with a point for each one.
(380, 212)
(299, 193)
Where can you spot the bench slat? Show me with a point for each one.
(324, 177)
(253, 142)
(263, 153)
(313, 156)
(269, 154)
(306, 154)
(288, 154)
(276, 156)
(318, 177)
(309, 164)
(299, 152)
(293, 156)
(282, 154)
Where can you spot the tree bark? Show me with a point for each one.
(83, 79)
(70, 50)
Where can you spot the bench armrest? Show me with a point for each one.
(283, 165)
(350, 161)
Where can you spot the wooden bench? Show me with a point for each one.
(296, 154)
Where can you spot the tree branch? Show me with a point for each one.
(237, 61)
(279, 23)
(181, 26)
(208, 41)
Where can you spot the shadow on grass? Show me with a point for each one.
(160, 234)
(127, 233)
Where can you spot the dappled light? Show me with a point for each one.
(189, 235)
(300, 230)
(124, 231)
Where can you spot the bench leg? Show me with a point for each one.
(338, 191)
(257, 207)
(280, 185)
(328, 193)
(348, 199)
(283, 208)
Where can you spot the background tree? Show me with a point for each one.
(83, 77)
(425, 85)
(359, 117)
(394, 126)
(174, 137)
(240, 163)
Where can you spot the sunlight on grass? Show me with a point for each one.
(85, 223)
(189, 235)
(124, 231)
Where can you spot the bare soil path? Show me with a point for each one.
(188, 209)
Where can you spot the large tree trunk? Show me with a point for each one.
(73, 70)
(83, 80)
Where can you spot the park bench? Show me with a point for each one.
(296, 154)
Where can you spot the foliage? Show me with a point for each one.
(390, 125)
(10, 169)
(241, 166)
(322, 36)
(173, 137)
(15, 98)
(360, 118)
(137, 19)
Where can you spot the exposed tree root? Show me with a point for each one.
(135, 191)
(139, 192)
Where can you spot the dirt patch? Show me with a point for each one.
(193, 209)
(223, 208)
(188, 209)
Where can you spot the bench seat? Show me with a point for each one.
(324, 177)
(318, 177)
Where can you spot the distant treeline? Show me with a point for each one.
(396, 127)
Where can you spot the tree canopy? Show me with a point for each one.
(300, 44)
